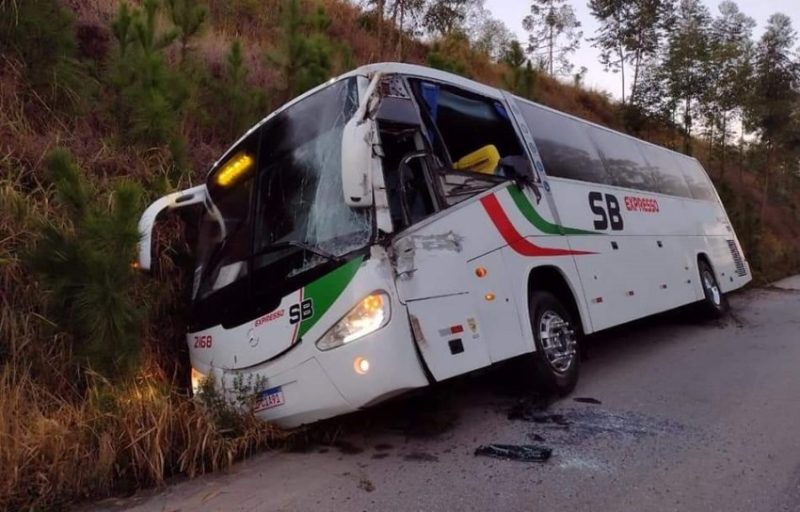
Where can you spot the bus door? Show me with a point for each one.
(432, 280)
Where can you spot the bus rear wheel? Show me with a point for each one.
(713, 304)
(556, 361)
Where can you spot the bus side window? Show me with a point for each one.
(623, 160)
(564, 145)
(699, 185)
(665, 171)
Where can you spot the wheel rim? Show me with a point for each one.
(712, 290)
(559, 342)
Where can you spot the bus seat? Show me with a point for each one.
(484, 160)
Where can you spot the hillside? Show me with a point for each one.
(98, 116)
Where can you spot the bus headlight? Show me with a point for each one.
(197, 381)
(368, 316)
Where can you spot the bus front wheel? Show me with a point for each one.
(556, 360)
(713, 303)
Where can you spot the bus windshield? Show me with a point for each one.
(286, 215)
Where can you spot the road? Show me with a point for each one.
(683, 416)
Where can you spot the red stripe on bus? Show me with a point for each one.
(513, 238)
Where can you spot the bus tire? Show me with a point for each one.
(556, 360)
(714, 304)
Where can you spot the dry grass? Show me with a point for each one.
(55, 451)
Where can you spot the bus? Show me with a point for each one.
(399, 226)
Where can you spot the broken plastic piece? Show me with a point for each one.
(587, 400)
(522, 452)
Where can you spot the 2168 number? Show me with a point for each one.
(203, 341)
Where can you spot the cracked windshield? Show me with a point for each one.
(301, 219)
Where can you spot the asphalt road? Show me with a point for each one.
(684, 416)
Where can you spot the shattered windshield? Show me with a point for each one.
(299, 192)
(288, 214)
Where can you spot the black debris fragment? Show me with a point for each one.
(522, 452)
(587, 400)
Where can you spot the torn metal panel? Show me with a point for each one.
(406, 248)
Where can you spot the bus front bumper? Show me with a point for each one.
(308, 385)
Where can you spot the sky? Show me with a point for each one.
(511, 13)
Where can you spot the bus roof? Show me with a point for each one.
(433, 74)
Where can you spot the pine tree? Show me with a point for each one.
(523, 77)
(237, 105)
(685, 64)
(630, 32)
(149, 95)
(305, 56)
(554, 34)
(730, 71)
(771, 111)
(188, 16)
(41, 35)
(86, 269)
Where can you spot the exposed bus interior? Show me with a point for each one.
(446, 147)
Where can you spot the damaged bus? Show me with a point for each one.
(399, 226)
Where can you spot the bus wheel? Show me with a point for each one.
(714, 303)
(556, 360)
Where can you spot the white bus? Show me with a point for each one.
(399, 226)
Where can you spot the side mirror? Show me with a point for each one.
(194, 195)
(357, 162)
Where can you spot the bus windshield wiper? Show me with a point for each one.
(300, 245)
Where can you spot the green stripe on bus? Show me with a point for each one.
(529, 212)
(325, 290)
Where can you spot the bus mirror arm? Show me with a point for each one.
(188, 197)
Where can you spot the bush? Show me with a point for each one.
(231, 104)
(85, 267)
(42, 35)
(150, 96)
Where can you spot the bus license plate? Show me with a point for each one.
(269, 398)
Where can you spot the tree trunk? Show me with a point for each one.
(687, 126)
(637, 61)
(550, 49)
(711, 144)
(724, 136)
(380, 29)
(741, 157)
(400, 31)
(622, 71)
(766, 182)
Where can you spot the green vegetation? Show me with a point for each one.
(141, 97)
(84, 264)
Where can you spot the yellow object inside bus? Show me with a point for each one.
(484, 160)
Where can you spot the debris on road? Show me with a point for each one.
(523, 452)
(366, 485)
(587, 400)
(519, 412)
